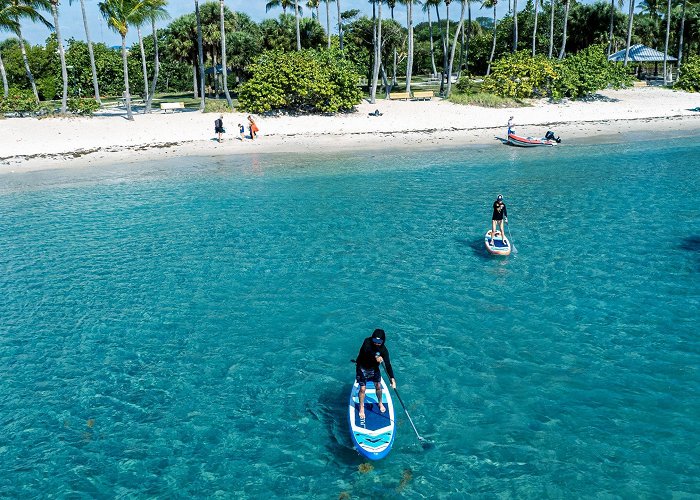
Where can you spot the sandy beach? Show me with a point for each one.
(34, 144)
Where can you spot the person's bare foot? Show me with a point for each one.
(362, 413)
(382, 408)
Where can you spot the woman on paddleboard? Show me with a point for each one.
(499, 215)
(373, 353)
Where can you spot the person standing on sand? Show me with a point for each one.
(241, 131)
(510, 126)
(253, 127)
(219, 126)
(499, 214)
(373, 353)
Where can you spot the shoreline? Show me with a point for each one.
(614, 116)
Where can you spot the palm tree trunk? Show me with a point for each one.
(92, 55)
(444, 44)
(296, 20)
(127, 94)
(340, 25)
(612, 24)
(515, 26)
(5, 86)
(454, 46)
(143, 64)
(680, 35)
(393, 77)
(469, 33)
(318, 13)
(551, 29)
(562, 52)
(493, 47)
(629, 32)
(224, 70)
(23, 49)
(534, 29)
(409, 57)
(195, 94)
(200, 54)
(62, 56)
(156, 67)
(432, 47)
(377, 50)
(328, 22)
(668, 31)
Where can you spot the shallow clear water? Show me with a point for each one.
(185, 328)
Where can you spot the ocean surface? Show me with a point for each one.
(184, 328)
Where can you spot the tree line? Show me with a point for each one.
(213, 48)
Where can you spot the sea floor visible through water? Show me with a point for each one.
(184, 328)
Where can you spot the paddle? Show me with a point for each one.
(515, 250)
(424, 442)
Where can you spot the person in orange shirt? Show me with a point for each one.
(253, 127)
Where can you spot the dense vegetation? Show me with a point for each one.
(272, 65)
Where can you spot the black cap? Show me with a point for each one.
(378, 336)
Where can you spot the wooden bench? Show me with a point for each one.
(394, 96)
(165, 106)
(638, 84)
(423, 95)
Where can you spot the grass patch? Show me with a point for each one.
(487, 100)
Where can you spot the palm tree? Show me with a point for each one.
(296, 20)
(340, 24)
(9, 15)
(392, 5)
(613, 10)
(377, 50)
(328, 20)
(515, 26)
(120, 14)
(630, 23)
(285, 4)
(668, 31)
(155, 11)
(29, 9)
(200, 54)
(427, 5)
(61, 55)
(454, 46)
(314, 4)
(551, 27)
(224, 69)
(534, 29)
(562, 52)
(489, 4)
(90, 51)
(409, 58)
(680, 34)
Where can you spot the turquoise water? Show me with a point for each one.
(184, 328)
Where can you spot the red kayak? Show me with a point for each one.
(529, 142)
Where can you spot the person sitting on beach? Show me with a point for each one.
(499, 214)
(375, 113)
(241, 131)
(219, 126)
(510, 126)
(253, 127)
(373, 353)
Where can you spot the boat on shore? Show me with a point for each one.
(530, 142)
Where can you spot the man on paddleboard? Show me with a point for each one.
(373, 353)
(499, 214)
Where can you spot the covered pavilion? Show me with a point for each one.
(642, 56)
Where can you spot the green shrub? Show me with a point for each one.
(307, 81)
(19, 101)
(82, 106)
(216, 106)
(466, 85)
(520, 76)
(588, 71)
(689, 75)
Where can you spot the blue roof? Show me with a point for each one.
(640, 53)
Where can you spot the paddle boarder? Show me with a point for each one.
(499, 215)
(373, 353)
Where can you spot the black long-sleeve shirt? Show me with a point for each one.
(499, 210)
(367, 358)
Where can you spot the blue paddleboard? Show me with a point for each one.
(373, 436)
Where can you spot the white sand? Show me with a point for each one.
(32, 144)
